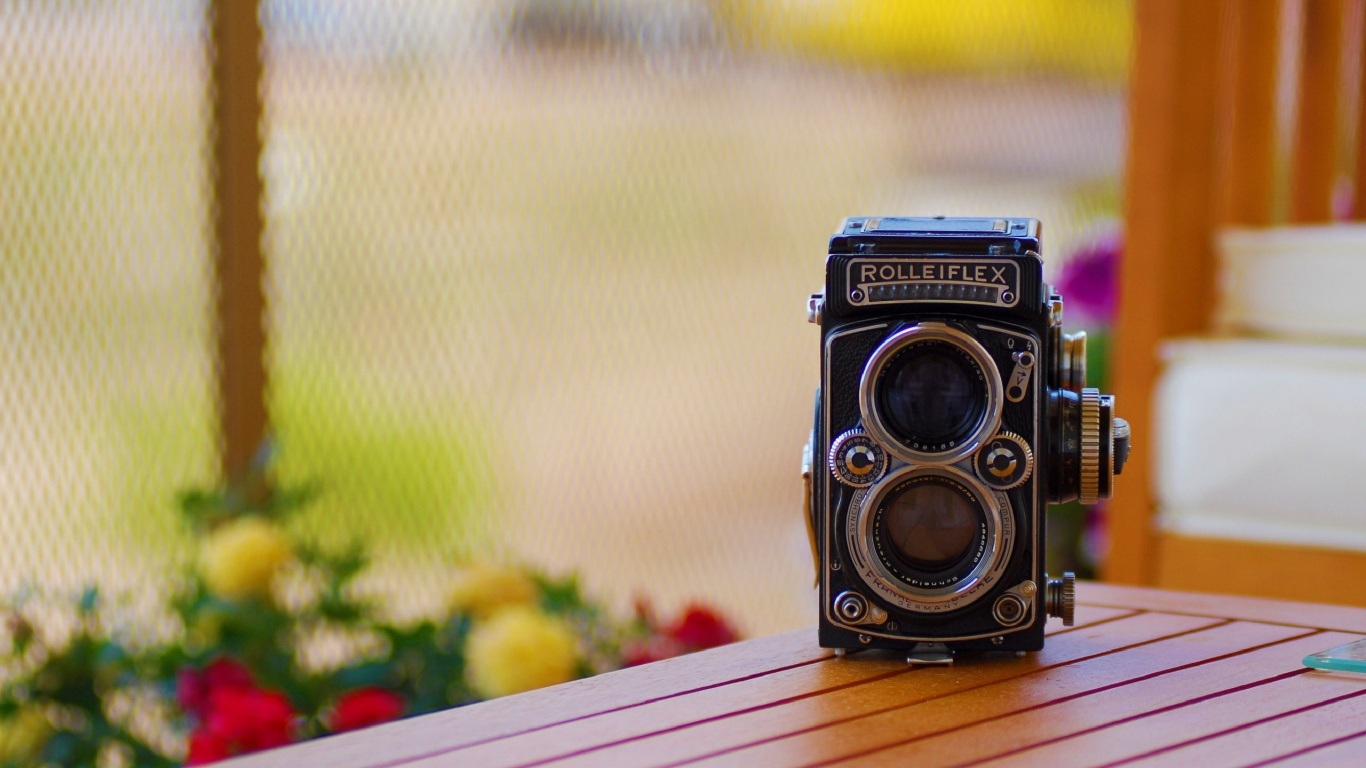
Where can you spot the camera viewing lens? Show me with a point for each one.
(932, 526)
(932, 394)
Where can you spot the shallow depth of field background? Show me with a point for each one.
(537, 269)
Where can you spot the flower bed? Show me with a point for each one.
(266, 641)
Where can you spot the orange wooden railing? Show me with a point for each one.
(1202, 155)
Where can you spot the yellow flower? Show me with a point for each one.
(240, 558)
(518, 649)
(23, 736)
(482, 589)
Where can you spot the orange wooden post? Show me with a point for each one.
(1359, 173)
(1250, 160)
(1168, 275)
(1316, 129)
(237, 236)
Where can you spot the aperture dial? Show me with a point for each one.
(1004, 462)
(856, 459)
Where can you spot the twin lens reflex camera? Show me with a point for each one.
(952, 409)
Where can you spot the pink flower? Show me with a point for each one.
(1089, 282)
(363, 708)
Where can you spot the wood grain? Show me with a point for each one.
(499, 718)
(1346, 753)
(1282, 732)
(1251, 151)
(1258, 569)
(1130, 701)
(1317, 125)
(1167, 276)
(960, 705)
(1333, 617)
(678, 723)
(1156, 678)
(1195, 724)
(240, 365)
(1358, 212)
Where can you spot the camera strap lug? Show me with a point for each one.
(930, 654)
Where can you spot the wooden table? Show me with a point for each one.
(1145, 678)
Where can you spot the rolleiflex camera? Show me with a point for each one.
(952, 409)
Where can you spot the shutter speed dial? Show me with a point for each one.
(855, 459)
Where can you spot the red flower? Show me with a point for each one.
(223, 672)
(206, 749)
(193, 686)
(654, 648)
(241, 719)
(700, 627)
(363, 708)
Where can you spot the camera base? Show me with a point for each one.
(930, 654)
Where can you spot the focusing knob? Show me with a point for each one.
(1005, 461)
(1104, 446)
(1090, 445)
(856, 459)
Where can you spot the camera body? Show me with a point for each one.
(952, 409)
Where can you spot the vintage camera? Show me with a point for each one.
(952, 409)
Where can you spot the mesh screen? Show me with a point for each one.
(105, 328)
(537, 269)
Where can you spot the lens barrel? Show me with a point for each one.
(930, 394)
(928, 538)
(1087, 445)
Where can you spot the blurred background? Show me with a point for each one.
(534, 270)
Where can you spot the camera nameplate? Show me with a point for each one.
(979, 282)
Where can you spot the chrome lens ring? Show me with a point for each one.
(862, 532)
(867, 396)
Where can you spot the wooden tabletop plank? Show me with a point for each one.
(393, 743)
(1150, 670)
(1335, 617)
(956, 705)
(1058, 722)
(587, 738)
(1316, 724)
(1345, 753)
(1200, 723)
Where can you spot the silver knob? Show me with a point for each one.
(1073, 361)
(1061, 598)
(815, 308)
(850, 607)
